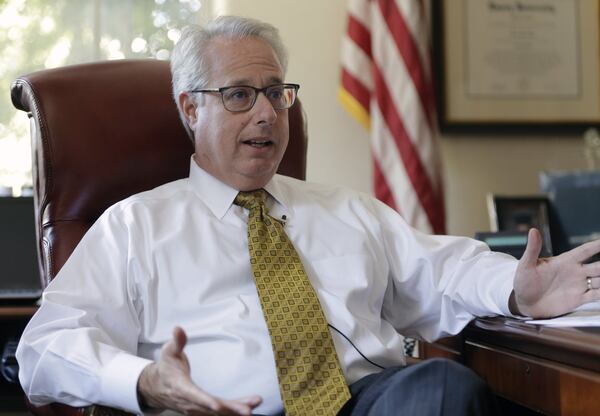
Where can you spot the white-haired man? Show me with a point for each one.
(191, 297)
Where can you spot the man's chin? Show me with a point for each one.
(251, 184)
(251, 180)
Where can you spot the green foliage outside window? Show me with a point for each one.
(41, 34)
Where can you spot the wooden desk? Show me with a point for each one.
(552, 370)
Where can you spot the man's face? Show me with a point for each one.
(241, 149)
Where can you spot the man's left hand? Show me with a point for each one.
(547, 287)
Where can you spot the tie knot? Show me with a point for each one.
(250, 200)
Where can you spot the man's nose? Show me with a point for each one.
(264, 109)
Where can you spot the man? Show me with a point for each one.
(178, 268)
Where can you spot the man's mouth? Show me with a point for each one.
(258, 142)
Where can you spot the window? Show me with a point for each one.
(41, 34)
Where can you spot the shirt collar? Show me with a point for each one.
(218, 196)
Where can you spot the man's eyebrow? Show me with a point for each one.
(246, 81)
(275, 80)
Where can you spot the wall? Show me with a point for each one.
(338, 145)
(475, 165)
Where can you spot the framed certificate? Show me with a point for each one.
(517, 62)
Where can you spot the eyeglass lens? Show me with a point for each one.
(243, 98)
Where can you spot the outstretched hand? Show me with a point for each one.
(547, 287)
(167, 384)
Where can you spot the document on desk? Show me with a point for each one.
(585, 315)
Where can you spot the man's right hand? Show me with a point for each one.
(167, 384)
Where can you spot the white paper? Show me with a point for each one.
(585, 315)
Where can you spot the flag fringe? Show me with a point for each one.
(354, 108)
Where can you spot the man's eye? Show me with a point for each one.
(276, 93)
(238, 94)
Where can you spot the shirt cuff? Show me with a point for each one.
(119, 382)
(504, 290)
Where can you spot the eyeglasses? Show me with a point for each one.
(242, 97)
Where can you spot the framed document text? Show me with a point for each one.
(518, 62)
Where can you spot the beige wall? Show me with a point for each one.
(338, 145)
(476, 165)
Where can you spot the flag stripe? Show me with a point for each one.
(415, 16)
(357, 89)
(360, 10)
(386, 84)
(360, 67)
(405, 43)
(414, 168)
(360, 35)
(405, 199)
(405, 95)
(382, 187)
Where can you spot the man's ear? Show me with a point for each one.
(188, 107)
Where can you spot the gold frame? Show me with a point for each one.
(458, 105)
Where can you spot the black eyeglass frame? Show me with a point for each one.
(222, 90)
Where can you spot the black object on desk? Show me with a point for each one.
(509, 242)
(9, 368)
(574, 207)
(519, 214)
(19, 271)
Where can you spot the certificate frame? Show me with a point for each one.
(490, 98)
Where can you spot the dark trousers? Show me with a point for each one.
(432, 387)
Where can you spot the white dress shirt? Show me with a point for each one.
(178, 255)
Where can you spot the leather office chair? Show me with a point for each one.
(101, 132)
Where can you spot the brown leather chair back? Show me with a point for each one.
(101, 132)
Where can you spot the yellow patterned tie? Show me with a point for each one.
(310, 378)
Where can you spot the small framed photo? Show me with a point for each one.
(519, 214)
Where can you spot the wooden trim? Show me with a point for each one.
(539, 384)
(12, 312)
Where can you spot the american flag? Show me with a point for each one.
(386, 84)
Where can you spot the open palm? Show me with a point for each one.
(546, 287)
(167, 384)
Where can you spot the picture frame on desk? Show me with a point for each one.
(519, 214)
(513, 64)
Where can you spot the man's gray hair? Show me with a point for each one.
(189, 66)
